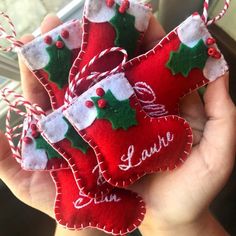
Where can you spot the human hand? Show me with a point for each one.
(177, 201)
(35, 189)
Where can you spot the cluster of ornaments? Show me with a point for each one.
(124, 126)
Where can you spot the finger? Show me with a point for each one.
(218, 143)
(8, 166)
(50, 22)
(153, 35)
(192, 110)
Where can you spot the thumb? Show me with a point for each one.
(218, 143)
(8, 166)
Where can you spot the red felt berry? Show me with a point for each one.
(65, 34)
(100, 92)
(35, 134)
(124, 6)
(210, 41)
(217, 55)
(33, 127)
(211, 52)
(102, 103)
(110, 3)
(48, 39)
(89, 104)
(59, 44)
(27, 140)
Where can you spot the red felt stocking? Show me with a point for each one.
(51, 56)
(128, 143)
(109, 24)
(186, 59)
(118, 213)
(26, 143)
(82, 160)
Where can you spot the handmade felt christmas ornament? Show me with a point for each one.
(118, 213)
(61, 135)
(28, 146)
(107, 24)
(51, 56)
(183, 61)
(128, 144)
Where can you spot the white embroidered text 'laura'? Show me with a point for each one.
(127, 160)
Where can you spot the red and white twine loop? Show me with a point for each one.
(221, 14)
(75, 82)
(32, 111)
(11, 38)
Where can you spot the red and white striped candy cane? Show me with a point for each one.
(9, 37)
(32, 111)
(74, 84)
(221, 14)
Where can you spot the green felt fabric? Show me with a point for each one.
(186, 58)
(59, 64)
(119, 113)
(75, 139)
(42, 144)
(126, 34)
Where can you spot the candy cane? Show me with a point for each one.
(218, 17)
(74, 84)
(9, 37)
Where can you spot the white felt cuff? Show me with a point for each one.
(53, 126)
(32, 158)
(81, 116)
(34, 53)
(97, 11)
(190, 32)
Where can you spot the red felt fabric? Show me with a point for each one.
(83, 168)
(112, 146)
(151, 69)
(97, 37)
(118, 216)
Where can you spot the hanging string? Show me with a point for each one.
(33, 111)
(218, 17)
(11, 38)
(76, 81)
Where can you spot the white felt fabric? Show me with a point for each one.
(81, 116)
(53, 126)
(97, 11)
(32, 158)
(34, 53)
(190, 32)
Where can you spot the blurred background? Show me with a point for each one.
(17, 219)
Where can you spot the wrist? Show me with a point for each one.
(205, 225)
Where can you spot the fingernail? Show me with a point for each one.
(49, 15)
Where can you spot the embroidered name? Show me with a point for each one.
(127, 159)
(84, 201)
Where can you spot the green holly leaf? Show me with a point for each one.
(119, 113)
(126, 34)
(41, 143)
(75, 139)
(59, 64)
(186, 58)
